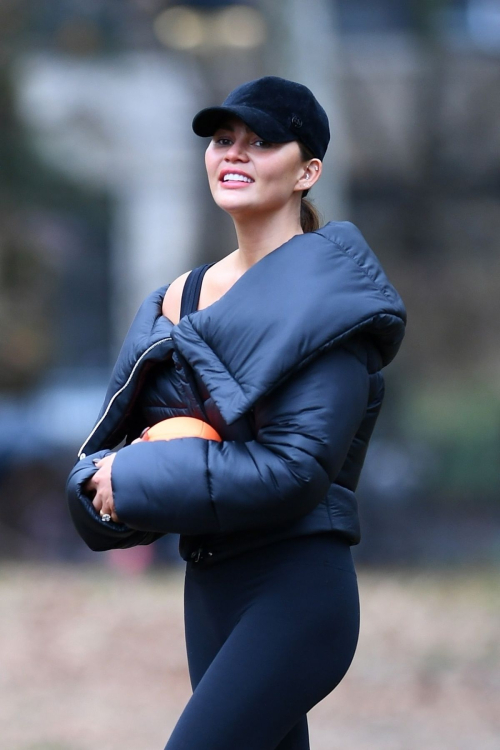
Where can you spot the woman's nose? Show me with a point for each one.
(237, 150)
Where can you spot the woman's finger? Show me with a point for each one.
(108, 508)
(101, 481)
(97, 502)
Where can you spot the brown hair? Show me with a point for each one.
(310, 219)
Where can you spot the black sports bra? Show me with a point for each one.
(191, 291)
(162, 397)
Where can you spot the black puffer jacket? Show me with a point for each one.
(286, 367)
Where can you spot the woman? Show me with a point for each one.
(279, 346)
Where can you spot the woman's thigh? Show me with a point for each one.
(266, 642)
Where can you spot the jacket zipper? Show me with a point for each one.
(120, 390)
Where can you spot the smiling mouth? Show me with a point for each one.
(235, 178)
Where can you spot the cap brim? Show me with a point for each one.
(206, 122)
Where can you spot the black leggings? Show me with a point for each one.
(269, 634)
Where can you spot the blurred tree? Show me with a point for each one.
(32, 196)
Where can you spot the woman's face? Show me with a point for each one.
(247, 174)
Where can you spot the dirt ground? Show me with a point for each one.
(93, 658)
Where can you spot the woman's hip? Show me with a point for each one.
(284, 577)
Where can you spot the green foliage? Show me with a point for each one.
(460, 421)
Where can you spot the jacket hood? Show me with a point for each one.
(313, 292)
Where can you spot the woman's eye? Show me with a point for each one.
(261, 143)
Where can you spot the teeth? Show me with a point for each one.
(237, 177)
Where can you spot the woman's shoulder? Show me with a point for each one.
(171, 306)
(218, 277)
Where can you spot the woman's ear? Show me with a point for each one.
(311, 172)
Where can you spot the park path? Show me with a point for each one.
(92, 658)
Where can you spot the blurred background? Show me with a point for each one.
(104, 198)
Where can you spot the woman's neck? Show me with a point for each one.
(259, 238)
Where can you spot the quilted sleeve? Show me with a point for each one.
(304, 429)
(99, 536)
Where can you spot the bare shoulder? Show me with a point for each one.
(218, 278)
(171, 307)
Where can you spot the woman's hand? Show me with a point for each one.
(100, 484)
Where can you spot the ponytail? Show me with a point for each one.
(310, 219)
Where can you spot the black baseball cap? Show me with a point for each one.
(275, 109)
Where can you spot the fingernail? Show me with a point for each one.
(95, 461)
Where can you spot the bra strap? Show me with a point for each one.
(192, 287)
